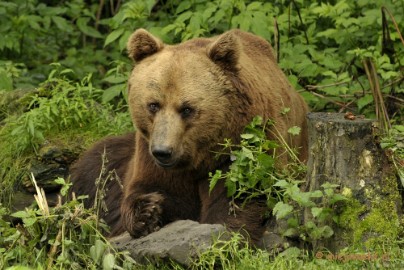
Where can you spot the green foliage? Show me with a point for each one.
(253, 174)
(132, 15)
(116, 78)
(323, 47)
(66, 236)
(393, 142)
(230, 254)
(61, 108)
(320, 204)
(252, 167)
(38, 34)
(12, 76)
(59, 104)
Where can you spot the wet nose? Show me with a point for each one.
(162, 153)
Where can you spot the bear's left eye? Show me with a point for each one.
(186, 112)
(153, 107)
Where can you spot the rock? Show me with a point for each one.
(180, 241)
(52, 161)
(272, 240)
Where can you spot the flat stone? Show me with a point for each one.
(180, 241)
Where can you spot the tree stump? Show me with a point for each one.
(343, 151)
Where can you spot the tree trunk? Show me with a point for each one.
(343, 151)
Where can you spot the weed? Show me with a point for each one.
(253, 174)
(66, 236)
(393, 143)
(62, 108)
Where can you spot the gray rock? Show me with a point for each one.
(273, 240)
(180, 241)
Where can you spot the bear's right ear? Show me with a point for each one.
(142, 44)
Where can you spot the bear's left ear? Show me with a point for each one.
(225, 51)
(142, 44)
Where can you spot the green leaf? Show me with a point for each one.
(302, 198)
(282, 210)
(399, 128)
(61, 23)
(19, 267)
(290, 232)
(328, 185)
(247, 136)
(28, 222)
(184, 16)
(326, 231)
(113, 36)
(293, 222)
(247, 153)
(86, 29)
(34, 22)
(112, 92)
(285, 111)
(6, 82)
(21, 214)
(316, 211)
(364, 101)
(266, 161)
(108, 262)
(116, 79)
(292, 252)
(295, 130)
(231, 188)
(184, 5)
(282, 184)
(65, 186)
(337, 198)
(123, 40)
(31, 127)
(214, 179)
(97, 250)
(316, 194)
(254, 6)
(167, 29)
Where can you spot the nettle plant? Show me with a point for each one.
(253, 174)
(66, 236)
(61, 104)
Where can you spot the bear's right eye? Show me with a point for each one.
(153, 107)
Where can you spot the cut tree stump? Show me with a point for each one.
(343, 151)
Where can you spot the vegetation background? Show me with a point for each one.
(63, 68)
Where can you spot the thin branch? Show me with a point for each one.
(301, 21)
(381, 112)
(383, 8)
(99, 11)
(313, 87)
(277, 40)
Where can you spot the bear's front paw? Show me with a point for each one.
(141, 213)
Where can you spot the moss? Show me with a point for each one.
(350, 221)
(368, 226)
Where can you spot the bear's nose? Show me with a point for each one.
(162, 154)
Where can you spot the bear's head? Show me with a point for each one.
(182, 97)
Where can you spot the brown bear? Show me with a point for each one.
(184, 100)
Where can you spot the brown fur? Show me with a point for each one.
(118, 152)
(184, 100)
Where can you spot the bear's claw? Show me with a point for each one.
(142, 214)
